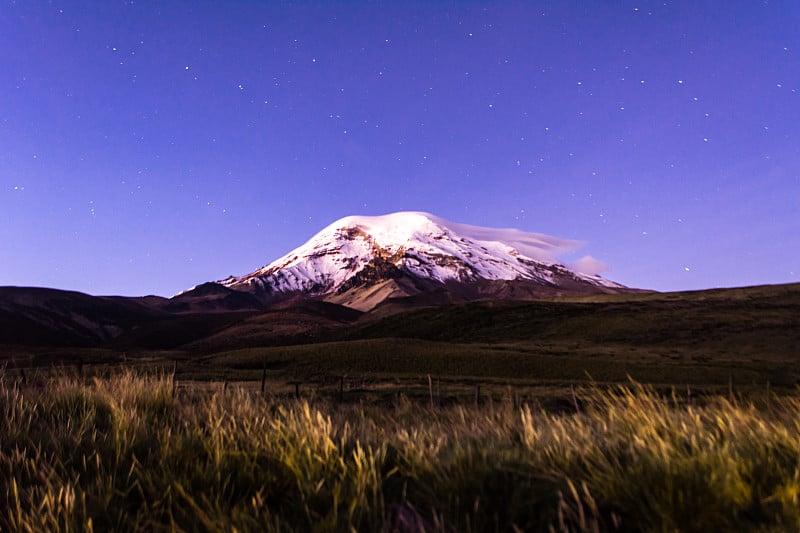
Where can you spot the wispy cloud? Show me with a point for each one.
(589, 265)
(537, 246)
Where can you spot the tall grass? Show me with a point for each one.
(126, 454)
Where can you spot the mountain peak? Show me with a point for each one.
(365, 251)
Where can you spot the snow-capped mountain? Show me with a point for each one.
(360, 261)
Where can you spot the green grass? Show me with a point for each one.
(389, 359)
(534, 363)
(759, 322)
(131, 453)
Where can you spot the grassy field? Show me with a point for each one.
(485, 416)
(758, 322)
(387, 367)
(748, 336)
(132, 452)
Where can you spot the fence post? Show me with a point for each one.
(430, 391)
(769, 399)
(575, 399)
(264, 377)
(174, 380)
(477, 394)
(512, 396)
(730, 387)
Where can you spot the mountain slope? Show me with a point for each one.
(360, 261)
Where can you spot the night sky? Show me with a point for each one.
(146, 147)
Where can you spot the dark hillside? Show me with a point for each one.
(48, 317)
(756, 322)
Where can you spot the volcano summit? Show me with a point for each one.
(361, 261)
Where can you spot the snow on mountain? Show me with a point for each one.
(359, 250)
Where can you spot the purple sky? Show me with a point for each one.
(146, 147)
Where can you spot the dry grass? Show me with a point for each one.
(123, 453)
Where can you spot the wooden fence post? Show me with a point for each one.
(512, 396)
(264, 377)
(769, 399)
(430, 391)
(174, 380)
(575, 399)
(477, 394)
